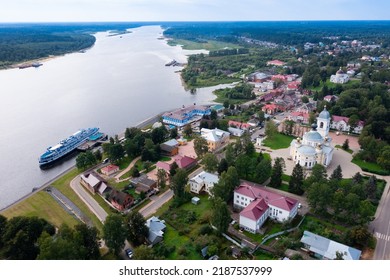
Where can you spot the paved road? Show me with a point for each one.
(85, 196)
(156, 203)
(381, 225)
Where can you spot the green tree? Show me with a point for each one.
(80, 243)
(359, 236)
(116, 152)
(144, 252)
(384, 158)
(222, 166)
(161, 178)
(318, 174)
(228, 181)
(200, 146)
(187, 130)
(135, 172)
(318, 197)
(178, 183)
(263, 170)
(115, 232)
(213, 115)
(221, 215)
(371, 187)
(296, 182)
(98, 155)
(137, 230)
(276, 173)
(173, 169)
(173, 133)
(210, 162)
(159, 134)
(337, 174)
(20, 236)
(230, 154)
(271, 129)
(345, 145)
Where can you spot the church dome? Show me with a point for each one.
(340, 72)
(313, 136)
(324, 114)
(306, 150)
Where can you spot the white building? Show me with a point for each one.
(258, 203)
(340, 77)
(316, 145)
(236, 131)
(342, 124)
(204, 181)
(216, 138)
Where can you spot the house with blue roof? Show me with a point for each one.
(326, 249)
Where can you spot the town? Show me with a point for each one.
(290, 163)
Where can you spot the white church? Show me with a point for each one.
(316, 145)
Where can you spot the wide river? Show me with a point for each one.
(119, 82)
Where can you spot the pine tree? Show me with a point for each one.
(296, 182)
(277, 172)
(337, 174)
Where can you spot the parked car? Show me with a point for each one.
(129, 253)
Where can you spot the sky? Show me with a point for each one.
(191, 10)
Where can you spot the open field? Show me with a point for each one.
(41, 205)
(279, 141)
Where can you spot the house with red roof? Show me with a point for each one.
(183, 162)
(271, 109)
(240, 125)
(299, 117)
(342, 124)
(258, 203)
(276, 63)
(109, 169)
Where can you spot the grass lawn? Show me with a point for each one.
(341, 148)
(63, 185)
(209, 45)
(172, 238)
(286, 177)
(279, 141)
(221, 98)
(370, 167)
(41, 205)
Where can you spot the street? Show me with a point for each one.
(86, 197)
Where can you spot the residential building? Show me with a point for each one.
(331, 98)
(204, 181)
(156, 230)
(299, 117)
(258, 77)
(342, 124)
(236, 131)
(94, 183)
(340, 77)
(327, 249)
(257, 204)
(275, 63)
(170, 148)
(183, 162)
(185, 115)
(120, 200)
(143, 184)
(273, 108)
(241, 125)
(109, 169)
(216, 138)
(316, 145)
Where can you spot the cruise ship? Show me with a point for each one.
(67, 145)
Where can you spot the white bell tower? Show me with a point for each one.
(323, 123)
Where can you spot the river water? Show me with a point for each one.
(119, 82)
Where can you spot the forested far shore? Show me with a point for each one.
(26, 42)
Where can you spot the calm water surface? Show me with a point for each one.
(116, 84)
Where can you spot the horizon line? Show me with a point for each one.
(198, 21)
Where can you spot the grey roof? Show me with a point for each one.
(306, 150)
(313, 136)
(156, 229)
(172, 142)
(328, 248)
(324, 114)
(205, 177)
